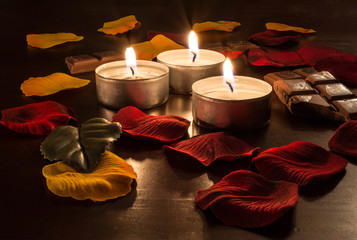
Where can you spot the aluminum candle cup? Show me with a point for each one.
(117, 88)
(216, 107)
(184, 72)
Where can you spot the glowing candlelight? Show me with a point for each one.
(228, 78)
(193, 45)
(130, 61)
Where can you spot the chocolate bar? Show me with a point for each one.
(307, 92)
(89, 62)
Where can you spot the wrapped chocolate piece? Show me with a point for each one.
(317, 95)
(89, 62)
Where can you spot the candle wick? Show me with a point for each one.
(230, 86)
(132, 71)
(194, 56)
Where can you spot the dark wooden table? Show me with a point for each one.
(161, 204)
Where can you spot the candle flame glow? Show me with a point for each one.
(193, 45)
(130, 60)
(228, 78)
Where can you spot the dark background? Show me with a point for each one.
(161, 204)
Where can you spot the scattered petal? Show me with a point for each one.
(260, 57)
(274, 38)
(231, 54)
(311, 54)
(344, 141)
(181, 38)
(226, 26)
(246, 199)
(82, 147)
(37, 118)
(47, 40)
(165, 129)
(285, 27)
(150, 49)
(43, 86)
(343, 71)
(112, 178)
(121, 25)
(211, 147)
(299, 162)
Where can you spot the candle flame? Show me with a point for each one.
(193, 45)
(130, 60)
(228, 78)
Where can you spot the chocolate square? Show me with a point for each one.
(295, 87)
(107, 56)
(335, 91)
(323, 77)
(348, 107)
(306, 71)
(81, 63)
(282, 75)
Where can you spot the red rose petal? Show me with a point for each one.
(344, 141)
(231, 54)
(211, 147)
(274, 38)
(137, 124)
(37, 118)
(345, 72)
(260, 57)
(315, 53)
(299, 162)
(181, 38)
(246, 199)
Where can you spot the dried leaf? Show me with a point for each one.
(43, 86)
(47, 40)
(344, 141)
(299, 162)
(285, 27)
(82, 147)
(311, 54)
(120, 26)
(211, 147)
(226, 26)
(343, 71)
(164, 129)
(246, 199)
(260, 57)
(150, 49)
(181, 38)
(274, 38)
(37, 118)
(112, 178)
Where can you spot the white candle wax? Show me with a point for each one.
(235, 95)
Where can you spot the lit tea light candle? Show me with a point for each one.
(139, 83)
(189, 65)
(236, 103)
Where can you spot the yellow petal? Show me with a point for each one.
(111, 179)
(120, 26)
(150, 49)
(42, 86)
(285, 27)
(226, 26)
(47, 40)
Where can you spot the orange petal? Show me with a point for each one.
(226, 26)
(111, 179)
(150, 49)
(285, 27)
(120, 26)
(43, 86)
(47, 40)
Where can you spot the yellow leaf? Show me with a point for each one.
(150, 49)
(43, 86)
(112, 178)
(285, 27)
(226, 26)
(120, 26)
(47, 40)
